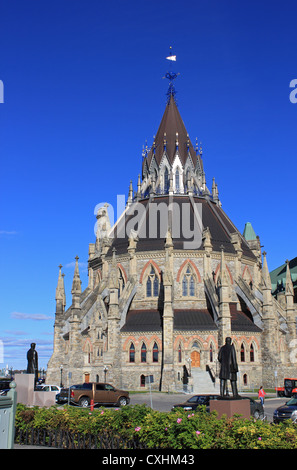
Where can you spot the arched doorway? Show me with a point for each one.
(195, 359)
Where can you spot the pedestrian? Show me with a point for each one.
(261, 395)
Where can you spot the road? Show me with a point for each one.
(164, 402)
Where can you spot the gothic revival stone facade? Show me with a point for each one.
(169, 282)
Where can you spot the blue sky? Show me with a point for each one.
(83, 91)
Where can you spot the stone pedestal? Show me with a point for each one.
(230, 407)
(25, 388)
(28, 396)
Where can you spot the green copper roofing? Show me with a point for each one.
(278, 276)
(249, 232)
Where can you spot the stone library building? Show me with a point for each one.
(169, 281)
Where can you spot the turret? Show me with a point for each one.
(60, 293)
(270, 328)
(76, 286)
(224, 309)
(290, 309)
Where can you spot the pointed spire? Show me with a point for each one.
(130, 196)
(172, 130)
(248, 232)
(265, 273)
(113, 280)
(59, 285)
(290, 309)
(138, 187)
(76, 284)
(60, 293)
(64, 295)
(289, 284)
(215, 194)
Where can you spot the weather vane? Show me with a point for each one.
(171, 76)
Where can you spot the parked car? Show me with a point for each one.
(100, 393)
(195, 401)
(50, 388)
(4, 387)
(256, 409)
(287, 411)
(62, 396)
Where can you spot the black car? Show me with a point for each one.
(256, 409)
(287, 411)
(63, 396)
(195, 401)
(4, 387)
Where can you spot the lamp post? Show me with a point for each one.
(105, 372)
(61, 369)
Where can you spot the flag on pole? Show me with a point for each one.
(171, 57)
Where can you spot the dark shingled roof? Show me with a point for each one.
(151, 320)
(193, 320)
(220, 226)
(171, 124)
(240, 321)
(143, 320)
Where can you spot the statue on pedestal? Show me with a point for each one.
(229, 368)
(32, 367)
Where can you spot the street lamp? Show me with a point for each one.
(105, 372)
(61, 369)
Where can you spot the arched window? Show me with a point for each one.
(156, 286)
(155, 353)
(188, 283)
(142, 380)
(211, 353)
(152, 284)
(148, 287)
(245, 379)
(132, 353)
(177, 187)
(185, 286)
(166, 180)
(252, 354)
(143, 353)
(242, 353)
(179, 354)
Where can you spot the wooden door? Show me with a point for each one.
(87, 378)
(195, 357)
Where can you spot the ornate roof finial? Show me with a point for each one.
(196, 146)
(171, 76)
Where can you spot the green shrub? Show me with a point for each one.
(175, 430)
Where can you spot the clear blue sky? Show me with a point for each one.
(83, 91)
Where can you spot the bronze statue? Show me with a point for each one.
(32, 357)
(229, 368)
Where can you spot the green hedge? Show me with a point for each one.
(175, 430)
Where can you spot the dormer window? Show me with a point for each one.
(152, 284)
(177, 185)
(188, 283)
(166, 180)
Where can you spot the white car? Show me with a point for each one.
(51, 388)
